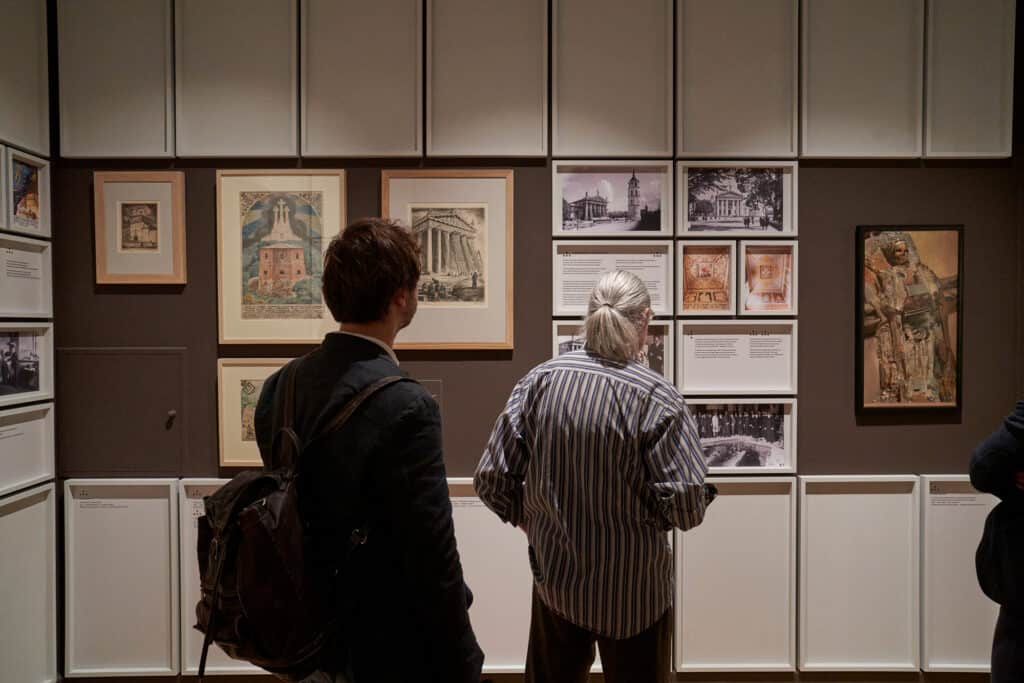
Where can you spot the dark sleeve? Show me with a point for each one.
(263, 418)
(430, 557)
(995, 463)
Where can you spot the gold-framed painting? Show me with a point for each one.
(140, 227)
(239, 382)
(273, 227)
(462, 220)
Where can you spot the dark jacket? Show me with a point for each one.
(404, 603)
(1000, 559)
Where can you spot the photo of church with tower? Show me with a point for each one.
(611, 201)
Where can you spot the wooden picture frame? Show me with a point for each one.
(933, 265)
(139, 218)
(459, 309)
(275, 306)
(239, 382)
(27, 207)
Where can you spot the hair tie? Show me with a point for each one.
(607, 304)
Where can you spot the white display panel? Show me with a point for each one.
(578, 265)
(27, 371)
(737, 357)
(736, 580)
(236, 78)
(736, 438)
(969, 92)
(498, 51)
(745, 105)
(957, 619)
(611, 78)
(862, 78)
(116, 102)
(26, 278)
(24, 79)
(28, 587)
(360, 98)
(658, 354)
(859, 578)
(26, 447)
(121, 577)
(190, 509)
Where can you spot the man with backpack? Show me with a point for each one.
(373, 494)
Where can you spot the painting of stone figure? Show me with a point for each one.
(453, 253)
(250, 395)
(281, 255)
(602, 200)
(25, 195)
(140, 230)
(728, 199)
(910, 316)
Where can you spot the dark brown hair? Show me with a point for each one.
(365, 266)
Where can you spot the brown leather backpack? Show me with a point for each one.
(261, 601)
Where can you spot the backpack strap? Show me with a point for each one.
(284, 420)
(353, 404)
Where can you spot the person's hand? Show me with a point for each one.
(1019, 478)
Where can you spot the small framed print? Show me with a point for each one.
(737, 357)
(3, 187)
(736, 198)
(769, 278)
(26, 277)
(26, 362)
(746, 435)
(657, 354)
(463, 222)
(239, 382)
(579, 265)
(909, 330)
(611, 199)
(27, 188)
(707, 278)
(140, 227)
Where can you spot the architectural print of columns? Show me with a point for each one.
(444, 256)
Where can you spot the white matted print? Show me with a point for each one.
(239, 383)
(737, 357)
(26, 277)
(26, 362)
(462, 220)
(26, 446)
(611, 198)
(273, 228)
(578, 265)
(768, 279)
(657, 354)
(27, 189)
(707, 278)
(736, 198)
(746, 435)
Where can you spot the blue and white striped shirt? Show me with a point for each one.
(596, 461)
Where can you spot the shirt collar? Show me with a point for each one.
(378, 342)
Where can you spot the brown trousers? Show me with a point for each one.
(562, 652)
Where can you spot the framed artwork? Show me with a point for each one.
(140, 227)
(26, 362)
(611, 199)
(657, 354)
(3, 187)
(746, 435)
(736, 198)
(737, 357)
(707, 278)
(26, 277)
(27, 189)
(273, 228)
(28, 433)
(769, 280)
(463, 223)
(909, 317)
(239, 382)
(578, 266)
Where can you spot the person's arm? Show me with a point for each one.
(429, 554)
(996, 466)
(675, 465)
(499, 476)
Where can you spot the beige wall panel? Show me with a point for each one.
(24, 85)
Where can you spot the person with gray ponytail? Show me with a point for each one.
(595, 457)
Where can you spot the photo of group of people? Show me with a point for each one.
(742, 435)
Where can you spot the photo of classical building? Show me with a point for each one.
(611, 200)
(453, 253)
(740, 199)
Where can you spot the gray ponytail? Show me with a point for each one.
(615, 315)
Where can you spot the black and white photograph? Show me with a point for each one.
(140, 231)
(608, 200)
(656, 353)
(743, 435)
(19, 363)
(737, 200)
(453, 253)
